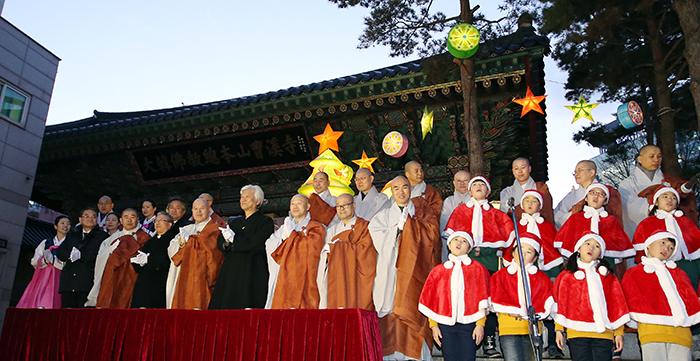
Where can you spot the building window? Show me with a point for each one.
(14, 104)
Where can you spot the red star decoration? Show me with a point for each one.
(328, 139)
(530, 102)
(365, 162)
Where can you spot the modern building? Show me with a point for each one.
(27, 75)
(267, 139)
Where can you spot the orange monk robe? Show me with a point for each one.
(119, 277)
(298, 258)
(547, 212)
(433, 201)
(403, 327)
(320, 210)
(199, 260)
(352, 265)
(218, 220)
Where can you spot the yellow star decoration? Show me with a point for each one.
(328, 139)
(365, 162)
(530, 102)
(426, 123)
(582, 109)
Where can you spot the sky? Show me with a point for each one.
(127, 55)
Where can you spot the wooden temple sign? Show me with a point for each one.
(249, 152)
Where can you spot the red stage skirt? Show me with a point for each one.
(148, 334)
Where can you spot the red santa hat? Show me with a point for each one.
(657, 235)
(479, 178)
(466, 236)
(525, 237)
(662, 189)
(599, 186)
(534, 193)
(567, 250)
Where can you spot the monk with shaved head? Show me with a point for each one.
(293, 254)
(645, 178)
(195, 261)
(368, 200)
(406, 238)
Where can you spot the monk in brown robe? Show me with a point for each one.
(321, 200)
(349, 260)
(214, 217)
(196, 261)
(119, 277)
(414, 173)
(406, 238)
(293, 256)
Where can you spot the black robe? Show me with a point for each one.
(149, 289)
(242, 281)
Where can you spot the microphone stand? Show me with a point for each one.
(532, 317)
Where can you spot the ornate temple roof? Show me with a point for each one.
(266, 139)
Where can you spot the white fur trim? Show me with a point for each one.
(471, 181)
(599, 186)
(579, 275)
(663, 190)
(448, 264)
(620, 254)
(598, 239)
(548, 266)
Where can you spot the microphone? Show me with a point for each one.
(511, 202)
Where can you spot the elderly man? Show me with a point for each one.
(214, 217)
(293, 254)
(461, 196)
(176, 208)
(195, 261)
(414, 173)
(104, 205)
(406, 238)
(646, 174)
(152, 264)
(368, 200)
(348, 261)
(521, 171)
(79, 251)
(114, 276)
(321, 200)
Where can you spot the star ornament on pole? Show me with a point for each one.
(530, 102)
(426, 122)
(582, 109)
(328, 139)
(365, 162)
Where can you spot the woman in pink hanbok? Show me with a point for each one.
(42, 291)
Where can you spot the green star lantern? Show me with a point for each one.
(463, 41)
(582, 109)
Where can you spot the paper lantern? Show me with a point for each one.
(630, 115)
(463, 41)
(395, 144)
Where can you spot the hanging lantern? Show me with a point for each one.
(395, 144)
(630, 115)
(463, 41)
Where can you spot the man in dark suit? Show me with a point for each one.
(79, 252)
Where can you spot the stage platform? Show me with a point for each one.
(147, 334)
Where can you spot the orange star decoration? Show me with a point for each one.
(328, 139)
(530, 102)
(365, 162)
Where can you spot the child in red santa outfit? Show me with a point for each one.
(662, 301)
(591, 307)
(594, 218)
(665, 215)
(457, 313)
(507, 298)
(549, 256)
(490, 228)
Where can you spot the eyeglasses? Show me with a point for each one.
(461, 181)
(342, 206)
(580, 170)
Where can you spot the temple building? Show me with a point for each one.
(267, 139)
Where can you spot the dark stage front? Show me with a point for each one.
(111, 334)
